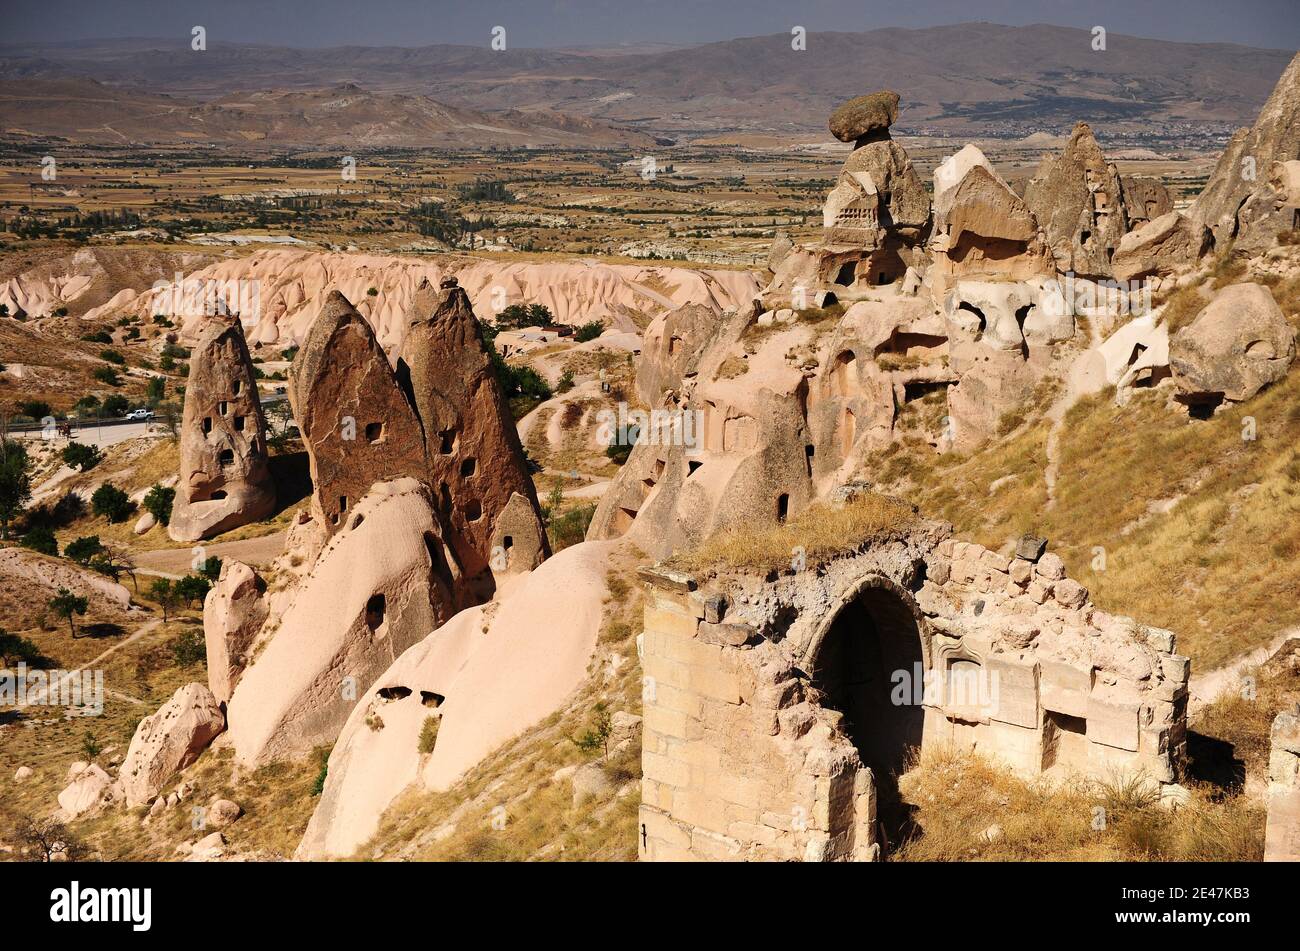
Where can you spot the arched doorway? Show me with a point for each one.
(858, 657)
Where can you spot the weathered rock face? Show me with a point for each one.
(357, 425)
(1078, 200)
(1238, 344)
(983, 229)
(1006, 656)
(233, 612)
(382, 582)
(474, 459)
(91, 789)
(672, 344)
(1166, 245)
(169, 741)
(1145, 199)
(485, 675)
(1244, 167)
(224, 478)
(1282, 837)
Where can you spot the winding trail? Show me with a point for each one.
(97, 661)
(1205, 688)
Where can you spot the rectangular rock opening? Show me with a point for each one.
(1065, 740)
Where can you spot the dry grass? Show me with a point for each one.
(1181, 308)
(959, 797)
(821, 531)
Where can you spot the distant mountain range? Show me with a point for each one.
(968, 79)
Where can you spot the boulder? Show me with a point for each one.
(222, 812)
(1238, 344)
(1163, 246)
(356, 423)
(1145, 199)
(225, 481)
(865, 118)
(23, 772)
(233, 612)
(144, 523)
(90, 790)
(169, 740)
(591, 781)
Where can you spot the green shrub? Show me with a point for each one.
(110, 502)
(42, 539)
(83, 549)
(188, 648)
(158, 502)
(80, 456)
(589, 331)
(429, 734)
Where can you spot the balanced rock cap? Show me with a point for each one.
(865, 116)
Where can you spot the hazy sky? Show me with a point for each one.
(305, 23)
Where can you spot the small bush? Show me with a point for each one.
(159, 503)
(42, 539)
(429, 734)
(110, 502)
(188, 648)
(80, 456)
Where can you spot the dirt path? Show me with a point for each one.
(1056, 413)
(1205, 688)
(178, 562)
(94, 662)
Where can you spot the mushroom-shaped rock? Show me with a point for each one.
(865, 117)
(233, 613)
(225, 481)
(170, 740)
(1238, 344)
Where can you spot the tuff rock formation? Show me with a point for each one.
(233, 612)
(168, 741)
(1282, 836)
(225, 481)
(1237, 345)
(379, 585)
(1144, 199)
(474, 460)
(484, 676)
(1078, 200)
(1165, 246)
(357, 425)
(1238, 204)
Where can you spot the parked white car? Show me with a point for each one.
(140, 414)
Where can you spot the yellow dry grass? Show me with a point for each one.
(970, 809)
(821, 531)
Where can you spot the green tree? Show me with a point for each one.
(91, 746)
(189, 649)
(81, 456)
(15, 483)
(589, 331)
(108, 375)
(36, 409)
(158, 502)
(211, 568)
(112, 356)
(156, 389)
(83, 549)
(41, 538)
(164, 592)
(69, 605)
(110, 502)
(14, 648)
(565, 382)
(596, 737)
(192, 588)
(116, 405)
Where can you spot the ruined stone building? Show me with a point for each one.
(779, 711)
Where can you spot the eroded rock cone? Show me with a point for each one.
(169, 741)
(225, 481)
(1078, 200)
(357, 425)
(1244, 168)
(475, 462)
